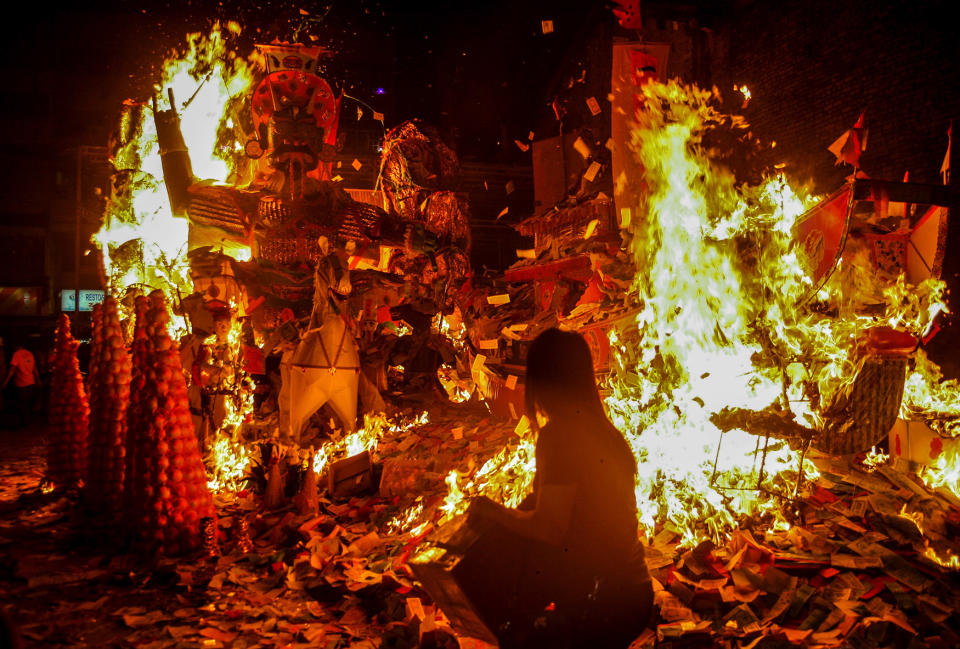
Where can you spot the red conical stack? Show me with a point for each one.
(109, 398)
(137, 420)
(69, 413)
(93, 369)
(176, 497)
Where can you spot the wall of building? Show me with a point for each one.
(814, 65)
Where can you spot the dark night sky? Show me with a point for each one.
(481, 71)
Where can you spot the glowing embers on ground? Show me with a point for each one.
(507, 477)
(228, 458)
(141, 240)
(366, 438)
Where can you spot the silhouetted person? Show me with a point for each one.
(26, 379)
(582, 579)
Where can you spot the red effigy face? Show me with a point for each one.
(294, 112)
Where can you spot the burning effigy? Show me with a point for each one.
(265, 322)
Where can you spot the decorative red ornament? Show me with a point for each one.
(628, 13)
(173, 503)
(69, 414)
(110, 396)
(137, 411)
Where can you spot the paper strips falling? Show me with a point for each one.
(522, 426)
(523, 146)
(594, 106)
(478, 362)
(509, 335)
(582, 148)
(509, 187)
(489, 344)
(528, 253)
(591, 228)
(546, 26)
(592, 171)
(497, 300)
(511, 382)
(378, 116)
(503, 212)
(356, 164)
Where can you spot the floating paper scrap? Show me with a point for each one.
(378, 116)
(546, 26)
(610, 144)
(359, 113)
(529, 253)
(530, 136)
(502, 212)
(522, 426)
(457, 432)
(594, 106)
(511, 382)
(523, 146)
(508, 333)
(591, 228)
(509, 187)
(356, 164)
(488, 344)
(624, 217)
(497, 300)
(513, 411)
(415, 609)
(519, 327)
(582, 148)
(337, 178)
(478, 362)
(592, 171)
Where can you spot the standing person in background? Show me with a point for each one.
(26, 378)
(3, 372)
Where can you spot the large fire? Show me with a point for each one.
(143, 244)
(727, 315)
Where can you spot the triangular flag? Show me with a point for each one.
(848, 147)
(945, 166)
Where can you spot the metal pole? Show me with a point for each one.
(76, 239)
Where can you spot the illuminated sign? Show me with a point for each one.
(87, 299)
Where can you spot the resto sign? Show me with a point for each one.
(88, 298)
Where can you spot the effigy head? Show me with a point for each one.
(294, 111)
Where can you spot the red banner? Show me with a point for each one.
(821, 234)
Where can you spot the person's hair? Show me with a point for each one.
(560, 384)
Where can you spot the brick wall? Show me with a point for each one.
(813, 65)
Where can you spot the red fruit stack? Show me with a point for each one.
(69, 414)
(137, 420)
(110, 396)
(176, 497)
